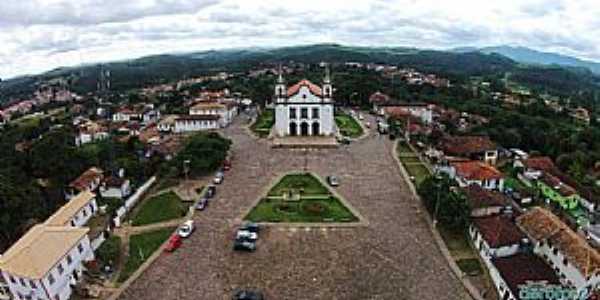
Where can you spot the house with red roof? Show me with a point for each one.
(476, 172)
(496, 236)
(470, 146)
(88, 181)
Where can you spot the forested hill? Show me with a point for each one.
(166, 68)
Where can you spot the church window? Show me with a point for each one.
(315, 113)
(304, 113)
(292, 113)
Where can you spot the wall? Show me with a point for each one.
(85, 214)
(131, 201)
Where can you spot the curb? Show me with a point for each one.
(469, 287)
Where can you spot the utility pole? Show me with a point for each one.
(186, 171)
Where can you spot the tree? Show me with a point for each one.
(448, 207)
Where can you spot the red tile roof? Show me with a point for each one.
(542, 225)
(521, 268)
(378, 98)
(314, 89)
(467, 145)
(499, 231)
(479, 197)
(84, 180)
(555, 183)
(540, 163)
(476, 170)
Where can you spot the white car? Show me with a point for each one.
(246, 235)
(360, 117)
(218, 178)
(186, 229)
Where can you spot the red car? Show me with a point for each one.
(227, 165)
(174, 243)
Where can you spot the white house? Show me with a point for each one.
(475, 172)
(46, 262)
(89, 132)
(511, 274)
(88, 181)
(115, 187)
(167, 123)
(196, 123)
(226, 111)
(77, 212)
(496, 236)
(125, 114)
(569, 254)
(304, 109)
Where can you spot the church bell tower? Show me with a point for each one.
(327, 87)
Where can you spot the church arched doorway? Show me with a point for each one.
(316, 128)
(304, 129)
(293, 129)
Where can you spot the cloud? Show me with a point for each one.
(38, 35)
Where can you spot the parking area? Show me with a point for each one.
(393, 257)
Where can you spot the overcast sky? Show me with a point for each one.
(38, 35)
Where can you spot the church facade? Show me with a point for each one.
(304, 109)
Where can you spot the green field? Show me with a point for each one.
(109, 251)
(141, 247)
(160, 208)
(305, 183)
(264, 122)
(348, 126)
(315, 203)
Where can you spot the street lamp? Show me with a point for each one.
(438, 185)
(186, 171)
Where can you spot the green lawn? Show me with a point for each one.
(264, 122)
(418, 171)
(109, 251)
(164, 207)
(409, 159)
(470, 266)
(456, 241)
(141, 246)
(348, 126)
(316, 203)
(403, 148)
(276, 210)
(306, 182)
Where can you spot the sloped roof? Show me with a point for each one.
(63, 216)
(467, 145)
(518, 269)
(541, 163)
(542, 225)
(476, 170)
(379, 98)
(314, 89)
(499, 231)
(555, 183)
(479, 197)
(34, 254)
(82, 182)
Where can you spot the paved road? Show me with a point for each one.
(394, 257)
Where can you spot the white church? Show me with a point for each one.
(304, 109)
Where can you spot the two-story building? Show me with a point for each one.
(76, 212)
(196, 123)
(225, 110)
(46, 262)
(496, 236)
(569, 254)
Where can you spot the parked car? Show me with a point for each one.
(244, 245)
(247, 295)
(344, 140)
(227, 165)
(367, 124)
(246, 235)
(333, 180)
(201, 205)
(219, 178)
(252, 227)
(360, 117)
(211, 190)
(186, 229)
(174, 243)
